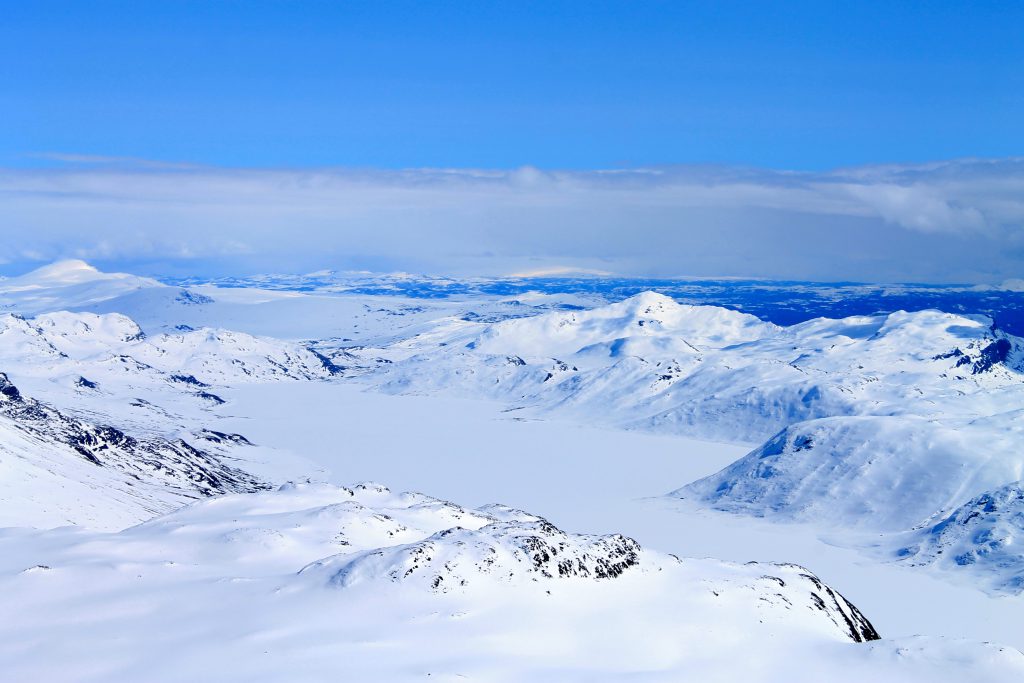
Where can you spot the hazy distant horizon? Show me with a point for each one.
(959, 221)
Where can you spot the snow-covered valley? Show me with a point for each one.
(881, 452)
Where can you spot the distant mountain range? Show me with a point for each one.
(784, 302)
(904, 428)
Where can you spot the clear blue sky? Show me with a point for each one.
(574, 85)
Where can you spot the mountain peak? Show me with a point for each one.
(67, 285)
(650, 298)
(67, 271)
(649, 304)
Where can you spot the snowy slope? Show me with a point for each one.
(904, 428)
(898, 402)
(69, 284)
(885, 422)
(327, 314)
(105, 426)
(60, 470)
(647, 323)
(104, 366)
(885, 473)
(247, 588)
(984, 534)
(88, 340)
(761, 380)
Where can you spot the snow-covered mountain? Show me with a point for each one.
(106, 367)
(124, 399)
(106, 426)
(89, 341)
(316, 581)
(61, 470)
(896, 401)
(723, 374)
(302, 313)
(984, 534)
(646, 324)
(886, 473)
(70, 284)
(884, 422)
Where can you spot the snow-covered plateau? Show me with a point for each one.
(174, 469)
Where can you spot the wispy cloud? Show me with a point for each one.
(958, 220)
(560, 271)
(102, 160)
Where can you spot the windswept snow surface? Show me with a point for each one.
(316, 582)
(896, 436)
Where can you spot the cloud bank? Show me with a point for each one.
(956, 221)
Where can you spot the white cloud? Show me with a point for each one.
(560, 271)
(949, 221)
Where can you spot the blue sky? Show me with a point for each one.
(795, 85)
(871, 141)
